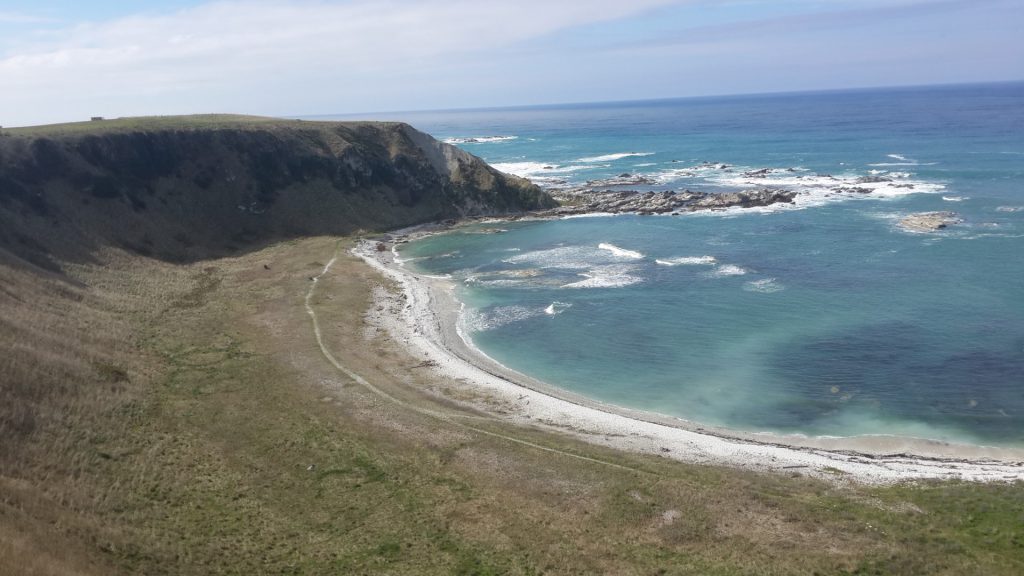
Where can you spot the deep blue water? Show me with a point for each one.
(823, 318)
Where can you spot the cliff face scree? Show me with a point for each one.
(197, 187)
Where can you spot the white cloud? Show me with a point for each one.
(21, 18)
(250, 55)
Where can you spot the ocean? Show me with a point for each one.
(823, 317)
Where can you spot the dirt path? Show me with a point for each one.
(445, 417)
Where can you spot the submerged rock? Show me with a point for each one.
(929, 221)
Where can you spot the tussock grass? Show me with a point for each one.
(179, 419)
(145, 123)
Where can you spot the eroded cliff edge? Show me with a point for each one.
(188, 188)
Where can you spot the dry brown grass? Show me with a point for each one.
(167, 419)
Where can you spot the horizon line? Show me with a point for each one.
(376, 115)
(557, 105)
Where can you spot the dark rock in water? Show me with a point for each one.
(872, 179)
(852, 190)
(764, 197)
(625, 179)
(929, 221)
(647, 203)
(762, 173)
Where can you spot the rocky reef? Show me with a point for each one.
(648, 194)
(929, 221)
(667, 202)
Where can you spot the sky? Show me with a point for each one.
(67, 60)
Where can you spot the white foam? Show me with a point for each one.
(476, 281)
(899, 157)
(612, 276)
(688, 261)
(726, 270)
(1010, 209)
(765, 286)
(622, 252)
(564, 257)
(889, 164)
(522, 168)
(491, 318)
(558, 169)
(954, 198)
(478, 139)
(588, 215)
(402, 261)
(818, 190)
(540, 170)
(701, 170)
(557, 308)
(613, 157)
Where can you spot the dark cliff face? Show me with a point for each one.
(191, 192)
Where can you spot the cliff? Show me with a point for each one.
(188, 188)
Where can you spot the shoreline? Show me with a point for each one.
(426, 323)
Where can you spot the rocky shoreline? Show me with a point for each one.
(424, 318)
(589, 201)
(639, 194)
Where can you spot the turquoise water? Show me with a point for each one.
(823, 318)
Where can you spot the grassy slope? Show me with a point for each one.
(189, 188)
(193, 427)
(136, 123)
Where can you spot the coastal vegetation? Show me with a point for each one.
(165, 407)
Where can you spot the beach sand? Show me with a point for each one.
(423, 317)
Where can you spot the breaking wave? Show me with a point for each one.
(478, 139)
(557, 308)
(726, 270)
(688, 261)
(613, 157)
(612, 276)
(622, 252)
(481, 320)
(765, 286)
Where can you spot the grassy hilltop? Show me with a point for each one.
(165, 408)
(187, 188)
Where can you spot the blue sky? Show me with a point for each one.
(68, 60)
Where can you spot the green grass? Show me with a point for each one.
(239, 450)
(156, 123)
